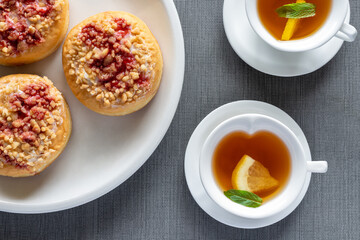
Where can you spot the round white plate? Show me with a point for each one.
(103, 151)
(192, 157)
(264, 58)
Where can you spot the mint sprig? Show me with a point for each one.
(297, 10)
(248, 199)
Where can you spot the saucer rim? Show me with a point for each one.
(191, 163)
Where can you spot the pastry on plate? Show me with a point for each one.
(31, 30)
(35, 124)
(113, 63)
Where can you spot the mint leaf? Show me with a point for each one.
(245, 198)
(297, 10)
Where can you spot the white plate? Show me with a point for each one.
(192, 157)
(264, 58)
(103, 151)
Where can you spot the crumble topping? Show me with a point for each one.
(111, 61)
(25, 23)
(30, 115)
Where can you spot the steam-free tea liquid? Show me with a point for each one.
(307, 26)
(263, 146)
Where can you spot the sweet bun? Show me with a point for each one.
(112, 63)
(31, 30)
(35, 124)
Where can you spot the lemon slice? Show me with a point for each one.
(250, 175)
(291, 26)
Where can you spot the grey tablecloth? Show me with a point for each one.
(155, 202)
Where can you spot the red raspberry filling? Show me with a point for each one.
(16, 35)
(13, 162)
(114, 60)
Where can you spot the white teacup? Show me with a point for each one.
(252, 123)
(334, 26)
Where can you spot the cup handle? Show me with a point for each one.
(317, 166)
(347, 33)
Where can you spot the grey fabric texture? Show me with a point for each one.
(155, 202)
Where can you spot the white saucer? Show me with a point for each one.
(264, 58)
(196, 142)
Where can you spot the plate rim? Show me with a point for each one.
(89, 196)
